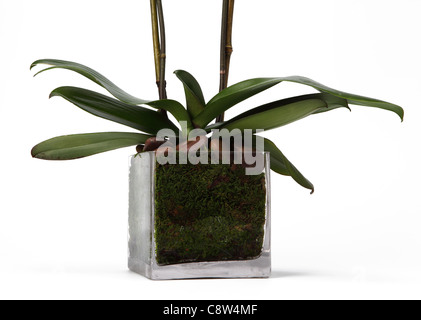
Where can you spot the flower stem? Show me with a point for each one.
(162, 55)
(159, 46)
(224, 30)
(226, 46)
(155, 34)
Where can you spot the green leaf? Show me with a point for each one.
(246, 89)
(232, 96)
(351, 98)
(84, 145)
(279, 114)
(108, 108)
(280, 164)
(175, 108)
(91, 75)
(333, 102)
(330, 103)
(194, 95)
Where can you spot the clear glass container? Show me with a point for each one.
(199, 221)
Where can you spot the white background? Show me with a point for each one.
(63, 225)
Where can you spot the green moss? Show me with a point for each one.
(208, 213)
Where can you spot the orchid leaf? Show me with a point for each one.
(247, 120)
(246, 89)
(175, 108)
(91, 75)
(136, 117)
(231, 96)
(278, 115)
(83, 145)
(351, 98)
(194, 95)
(280, 164)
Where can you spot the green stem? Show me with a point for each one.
(155, 34)
(224, 29)
(162, 56)
(226, 46)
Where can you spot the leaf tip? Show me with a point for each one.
(33, 64)
(54, 93)
(177, 73)
(34, 153)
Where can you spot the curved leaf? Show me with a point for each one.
(280, 164)
(351, 98)
(246, 89)
(278, 115)
(175, 108)
(331, 103)
(91, 75)
(194, 95)
(231, 96)
(108, 108)
(84, 145)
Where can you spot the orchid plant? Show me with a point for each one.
(150, 116)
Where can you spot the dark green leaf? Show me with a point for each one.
(91, 75)
(175, 108)
(84, 145)
(331, 103)
(246, 89)
(278, 162)
(352, 98)
(281, 165)
(275, 117)
(232, 96)
(194, 95)
(108, 108)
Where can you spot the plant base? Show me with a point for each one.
(159, 235)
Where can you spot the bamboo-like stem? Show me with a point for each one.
(162, 55)
(224, 29)
(226, 46)
(155, 34)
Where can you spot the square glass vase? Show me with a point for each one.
(190, 221)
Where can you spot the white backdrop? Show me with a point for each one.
(63, 225)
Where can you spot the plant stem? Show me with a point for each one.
(162, 55)
(155, 34)
(224, 30)
(226, 46)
